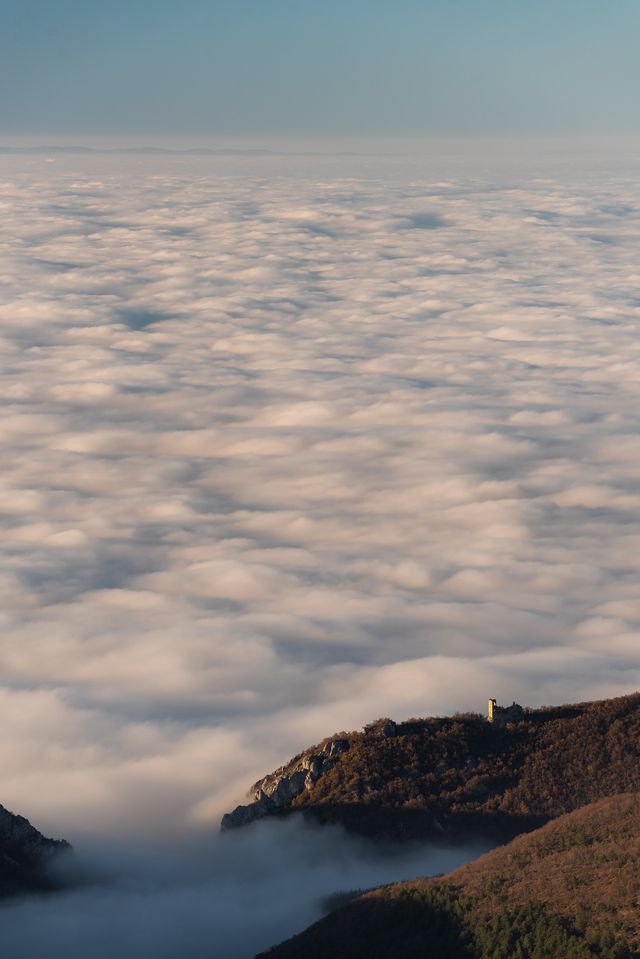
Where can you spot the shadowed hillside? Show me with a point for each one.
(24, 854)
(569, 889)
(461, 774)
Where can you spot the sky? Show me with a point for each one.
(262, 68)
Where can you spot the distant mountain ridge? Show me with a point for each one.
(77, 150)
(24, 855)
(456, 775)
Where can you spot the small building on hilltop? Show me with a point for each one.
(504, 714)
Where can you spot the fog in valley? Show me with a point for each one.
(222, 898)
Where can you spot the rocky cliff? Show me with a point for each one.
(278, 790)
(25, 855)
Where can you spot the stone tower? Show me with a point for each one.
(504, 714)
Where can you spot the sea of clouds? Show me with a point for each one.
(293, 442)
(227, 899)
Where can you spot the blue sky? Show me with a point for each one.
(340, 67)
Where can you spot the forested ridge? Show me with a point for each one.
(461, 773)
(566, 891)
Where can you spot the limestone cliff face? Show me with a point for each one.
(24, 854)
(278, 790)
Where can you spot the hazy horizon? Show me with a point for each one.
(472, 144)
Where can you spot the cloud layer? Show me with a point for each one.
(230, 898)
(294, 442)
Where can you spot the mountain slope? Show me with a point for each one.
(570, 889)
(24, 854)
(460, 774)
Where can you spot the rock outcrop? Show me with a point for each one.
(381, 728)
(24, 855)
(277, 791)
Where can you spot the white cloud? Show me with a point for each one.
(289, 448)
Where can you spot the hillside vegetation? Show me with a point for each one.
(459, 774)
(569, 890)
